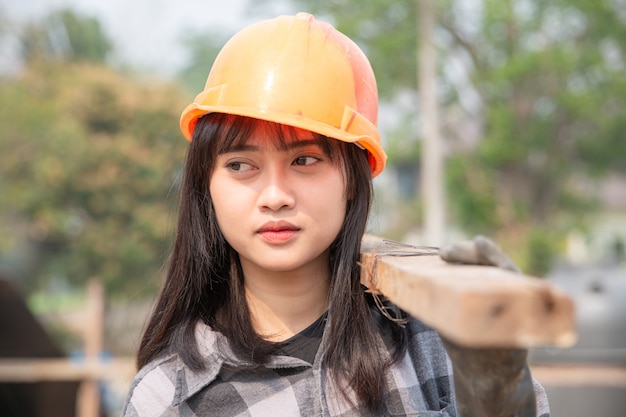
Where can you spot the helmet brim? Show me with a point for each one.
(376, 154)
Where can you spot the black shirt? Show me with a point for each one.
(304, 345)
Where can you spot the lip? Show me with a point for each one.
(278, 232)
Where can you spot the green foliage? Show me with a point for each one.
(542, 247)
(551, 103)
(65, 35)
(203, 49)
(402, 149)
(88, 160)
(471, 195)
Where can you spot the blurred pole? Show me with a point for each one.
(89, 391)
(432, 156)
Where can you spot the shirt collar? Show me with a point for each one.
(217, 353)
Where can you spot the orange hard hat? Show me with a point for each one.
(296, 71)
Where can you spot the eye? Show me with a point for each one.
(305, 160)
(237, 166)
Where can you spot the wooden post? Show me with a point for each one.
(37, 370)
(89, 392)
(433, 188)
(476, 306)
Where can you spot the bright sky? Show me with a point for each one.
(147, 33)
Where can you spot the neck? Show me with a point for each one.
(282, 304)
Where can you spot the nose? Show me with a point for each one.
(276, 191)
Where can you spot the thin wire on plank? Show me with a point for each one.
(392, 312)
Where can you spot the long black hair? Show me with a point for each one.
(204, 279)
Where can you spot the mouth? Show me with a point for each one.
(278, 232)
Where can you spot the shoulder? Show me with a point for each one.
(164, 383)
(424, 355)
(422, 378)
(153, 388)
(429, 358)
(424, 340)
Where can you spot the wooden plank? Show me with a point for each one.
(34, 370)
(477, 306)
(591, 375)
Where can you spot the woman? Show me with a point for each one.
(262, 312)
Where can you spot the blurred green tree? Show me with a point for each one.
(67, 36)
(551, 81)
(89, 163)
(202, 48)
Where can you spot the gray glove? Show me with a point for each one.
(479, 251)
(488, 382)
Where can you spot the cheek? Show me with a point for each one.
(334, 197)
(220, 198)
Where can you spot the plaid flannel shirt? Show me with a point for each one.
(419, 385)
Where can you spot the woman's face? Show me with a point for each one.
(279, 205)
